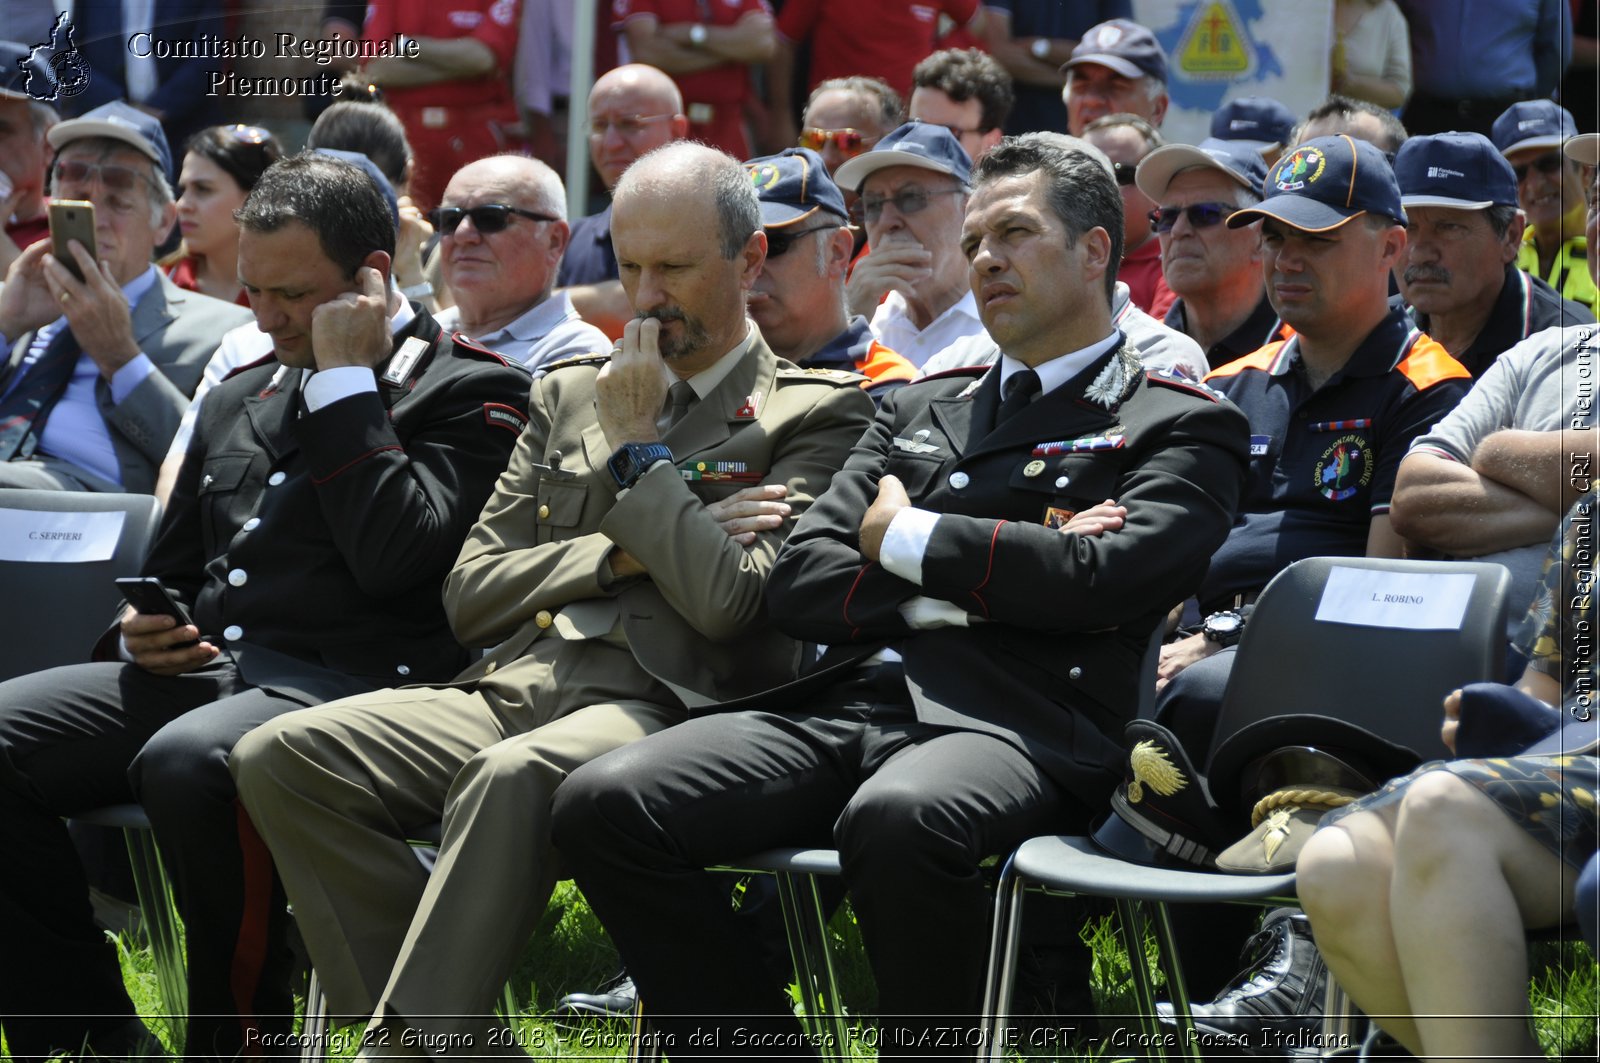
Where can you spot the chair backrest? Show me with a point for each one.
(59, 553)
(1374, 641)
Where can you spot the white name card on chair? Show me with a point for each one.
(1420, 601)
(60, 536)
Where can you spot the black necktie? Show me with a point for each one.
(1020, 389)
(23, 411)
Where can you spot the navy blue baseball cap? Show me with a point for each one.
(1325, 182)
(1237, 159)
(13, 72)
(117, 121)
(1460, 170)
(370, 168)
(923, 144)
(1258, 121)
(1124, 46)
(792, 186)
(1532, 124)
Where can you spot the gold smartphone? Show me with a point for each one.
(72, 219)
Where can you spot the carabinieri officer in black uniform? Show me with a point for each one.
(323, 499)
(985, 642)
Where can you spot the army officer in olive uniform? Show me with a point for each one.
(984, 643)
(619, 573)
(315, 517)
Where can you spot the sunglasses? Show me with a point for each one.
(1124, 173)
(850, 142)
(1548, 165)
(249, 134)
(120, 182)
(489, 218)
(1200, 215)
(907, 201)
(628, 126)
(779, 241)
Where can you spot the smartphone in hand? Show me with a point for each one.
(150, 596)
(72, 219)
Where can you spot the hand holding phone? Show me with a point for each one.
(72, 219)
(156, 645)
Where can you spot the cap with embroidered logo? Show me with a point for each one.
(1532, 124)
(921, 144)
(1325, 182)
(1258, 121)
(1121, 45)
(117, 121)
(1460, 170)
(1236, 158)
(792, 186)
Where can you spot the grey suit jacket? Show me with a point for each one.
(179, 331)
(538, 557)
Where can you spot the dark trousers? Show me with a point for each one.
(912, 808)
(84, 736)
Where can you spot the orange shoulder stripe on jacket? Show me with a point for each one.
(1428, 363)
(1261, 359)
(883, 365)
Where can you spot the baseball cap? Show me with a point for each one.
(1532, 124)
(117, 121)
(13, 75)
(793, 185)
(1237, 158)
(1325, 182)
(1123, 46)
(924, 144)
(1259, 121)
(1584, 148)
(370, 168)
(1460, 170)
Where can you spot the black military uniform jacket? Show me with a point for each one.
(313, 545)
(1052, 666)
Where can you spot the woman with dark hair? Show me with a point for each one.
(221, 164)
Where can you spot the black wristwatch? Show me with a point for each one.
(1223, 627)
(629, 461)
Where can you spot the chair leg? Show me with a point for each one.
(314, 1027)
(643, 1045)
(829, 1020)
(1131, 921)
(160, 913)
(1004, 945)
(1177, 987)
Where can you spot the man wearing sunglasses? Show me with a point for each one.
(1214, 270)
(503, 231)
(619, 571)
(912, 281)
(846, 116)
(798, 300)
(1550, 189)
(95, 373)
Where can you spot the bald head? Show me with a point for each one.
(633, 110)
(686, 227)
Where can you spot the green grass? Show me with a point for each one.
(570, 952)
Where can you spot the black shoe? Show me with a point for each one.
(1275, 1005)
(617, 999)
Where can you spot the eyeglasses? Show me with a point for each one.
(1124, 173)
(907, 201)
(249, 134)
(779, 241)
(1547, 164)
(487, 219)
(1200, 215)
(850, 142)
(119, 182)
(628, 126)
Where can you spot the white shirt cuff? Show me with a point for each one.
(922, 613)
(130, 376)
(906, 541)
(328, 386)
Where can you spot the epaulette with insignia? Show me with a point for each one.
(472, 346)
(263, 360)
(1183, 383)
(842, 378)
(582, 359)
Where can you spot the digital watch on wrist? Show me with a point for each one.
(629, 461)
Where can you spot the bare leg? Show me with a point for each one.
(1467, 881)
(1345, 877)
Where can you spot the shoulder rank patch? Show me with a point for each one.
(751, 408)
(1179, 382)
(837, 377)
(582, 359)
(503, 416)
